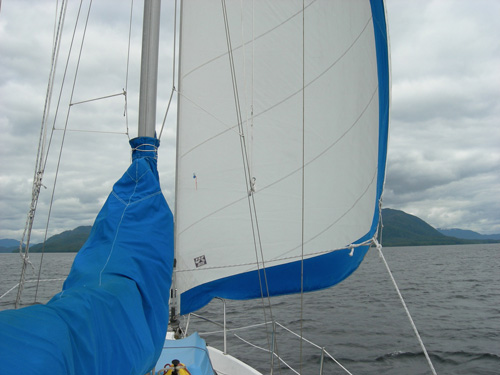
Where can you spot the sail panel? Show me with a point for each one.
(112, 314)
(281, 143)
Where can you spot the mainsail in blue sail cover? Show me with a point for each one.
(280, 193)
(112, 314)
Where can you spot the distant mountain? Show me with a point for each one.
(69, 241)
(468, 234)
(8, 245)
(402, 229)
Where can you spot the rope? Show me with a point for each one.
(166, 111)
(124, 93)
(248, 177)
(29, 281)
(144, 148)
(10, 290)
(303, 185)
(415, 330)
(313, 344)
(40, 160)
(90, 131)
(64, 134)
(267, 350)
(173, 71)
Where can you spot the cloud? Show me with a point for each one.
(90, 164)
(444, 158)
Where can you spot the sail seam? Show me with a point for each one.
(137, 201)
(292, 172)
(244, 44)
(310, 255)
(119, 226)
(233, 127)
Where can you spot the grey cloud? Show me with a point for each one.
(444, 152)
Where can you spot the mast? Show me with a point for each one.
(149, 68)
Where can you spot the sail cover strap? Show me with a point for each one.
(112, 314)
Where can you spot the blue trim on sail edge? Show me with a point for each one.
(382, 51)
(333, 268)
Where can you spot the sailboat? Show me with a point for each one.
(282, 128)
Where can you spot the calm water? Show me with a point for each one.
(453, 293)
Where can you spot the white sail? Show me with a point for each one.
(281, 143)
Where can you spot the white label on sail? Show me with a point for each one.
(200, 261)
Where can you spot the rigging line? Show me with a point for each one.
(253, 39)
(176, 300)
(54, 31)
(175, 45)
(124, 93)
(245, 88)
(341, 216)
(39, 164)
(415, 330)
(50, 86)
(173, 70)
(10, 290)
(166, 112)
(125, 111)
(63, 139)
(313, 344)
(63, 80)
(252, 84)
(229, 329)
(302, 191)
(35, 281)
(269, 351)
(244, 153)
(274, 260)
(254, 222)
(89, 131)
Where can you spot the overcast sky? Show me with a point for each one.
(444, 150)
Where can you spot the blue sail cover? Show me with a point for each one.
(112, 314)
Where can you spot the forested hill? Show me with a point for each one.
(400, 229)
(468, 234)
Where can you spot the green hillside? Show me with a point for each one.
(69, 241)
(402, 229)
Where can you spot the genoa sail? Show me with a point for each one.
(283, 116)
(112, 314)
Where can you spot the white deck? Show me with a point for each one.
(225, 364)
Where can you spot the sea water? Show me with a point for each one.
(452, 292)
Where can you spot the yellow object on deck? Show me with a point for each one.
(176, 368)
